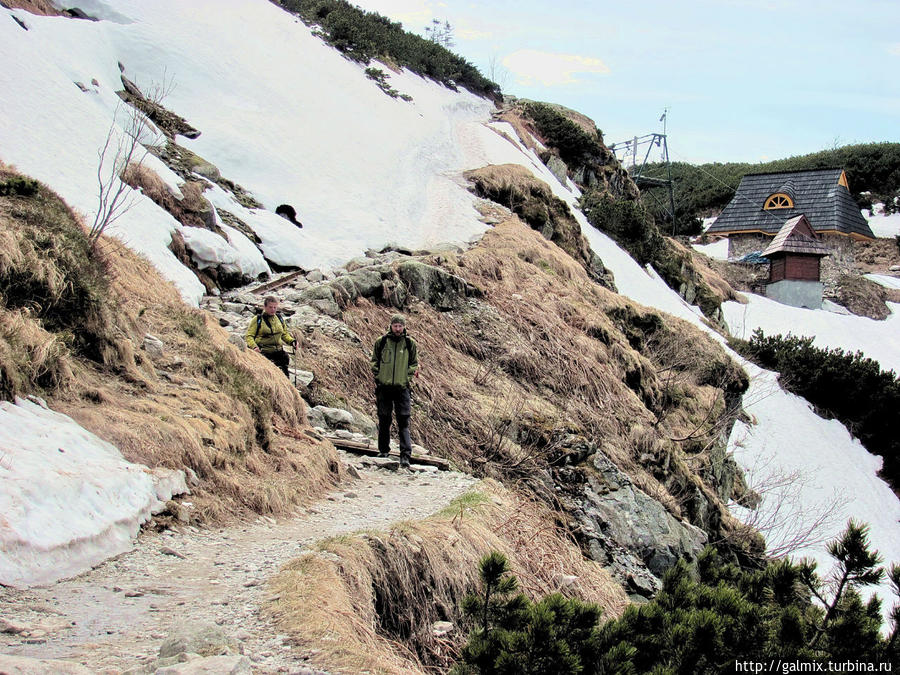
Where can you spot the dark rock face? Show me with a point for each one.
(438, 288)
(618, 524)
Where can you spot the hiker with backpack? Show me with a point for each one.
(394, 364)
(266, 333)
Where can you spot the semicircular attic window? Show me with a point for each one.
(779, 201)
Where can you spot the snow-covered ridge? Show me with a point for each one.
(289, 120)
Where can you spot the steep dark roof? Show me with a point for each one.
(797, 236)
(828, 205)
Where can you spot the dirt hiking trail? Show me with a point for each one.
(115, 617)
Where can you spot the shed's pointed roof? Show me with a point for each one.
(820, 194)
(797, 236)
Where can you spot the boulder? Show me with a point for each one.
(203, 639)
(322, 299)
(153, 346)
(335, 417)
(316, 417)
(237, 341)
(439, 628)
(304, 377)
(363, 424)
(212, 665)
(368, 283)
(207, 170)
(437, 287)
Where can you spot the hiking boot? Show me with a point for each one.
(404, 462)
(383, 454)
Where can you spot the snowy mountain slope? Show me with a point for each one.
(290, 120)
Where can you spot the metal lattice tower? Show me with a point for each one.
(634, 149)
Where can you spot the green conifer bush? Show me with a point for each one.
(847, 386)
(707, 617)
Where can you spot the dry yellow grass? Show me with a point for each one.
(202, 415)
(227, 414)
(186, 210)
(368, 601)
(544, 353)
(29, 354)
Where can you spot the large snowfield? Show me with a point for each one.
(293, 122)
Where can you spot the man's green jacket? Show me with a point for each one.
(394, 360)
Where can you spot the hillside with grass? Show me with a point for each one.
(576, 414)
(873, 172)
(75, 321)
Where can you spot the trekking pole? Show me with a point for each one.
(295, 364)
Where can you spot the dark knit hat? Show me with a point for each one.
(398, 318)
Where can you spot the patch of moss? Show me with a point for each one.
(62, 280)
(241, 385)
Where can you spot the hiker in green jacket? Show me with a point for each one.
(267, 331)
(394, 364)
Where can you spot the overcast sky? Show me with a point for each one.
(743, 80)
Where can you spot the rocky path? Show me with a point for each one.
(115, 617)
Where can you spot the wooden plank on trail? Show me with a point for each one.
(372, 451)
(277, 283)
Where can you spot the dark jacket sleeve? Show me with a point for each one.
(374, 361)
(413, 359)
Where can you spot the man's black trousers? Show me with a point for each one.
(392, 400)
(280, 359)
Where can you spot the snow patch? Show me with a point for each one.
(717, 250)
(69, 499)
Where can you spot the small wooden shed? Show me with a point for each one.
(795, 256)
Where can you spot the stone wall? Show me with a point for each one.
(840, 261)
(742, 244)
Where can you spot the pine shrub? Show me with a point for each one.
(707, 618)
(363, 36)
(575, 145)
(847, 386)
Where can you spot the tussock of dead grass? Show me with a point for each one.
(532, 200)
(30, 356)
(186, 210)
(368, 601)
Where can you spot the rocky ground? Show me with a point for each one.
(204, 586)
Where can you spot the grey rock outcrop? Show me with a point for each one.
(636, 521)
(435, 286)
(621, 527)
(558, 168)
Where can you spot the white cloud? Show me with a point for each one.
(551, 69)
(894, 49)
